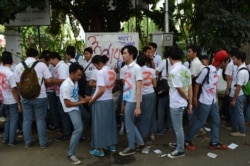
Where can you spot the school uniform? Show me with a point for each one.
(104, 131)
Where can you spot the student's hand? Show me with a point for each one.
(137, 112)
(190, 109)
(85, 99)
(195, 102)
(227, 92)
(233, 103)
(122, 107)
(19, 107)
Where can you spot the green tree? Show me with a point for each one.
(218, 24)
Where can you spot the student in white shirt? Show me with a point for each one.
(163, 101)
(10, 99)
(227, 76)
(61, 72)
(35, 106)
(181, 97)
(193, 53)
(147, 121)
(206, 103)
(70, 54)
(132, 98)
(237, 97)
(104, 130)
(88, 68)
(71, 101)
(157, 58)
(53, 112)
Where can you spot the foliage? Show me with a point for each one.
(220, 24)
(8, 8)
(49, 41)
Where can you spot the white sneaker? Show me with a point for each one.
(207, 129)
(74, 160)
(2, 119)
(152, 137)
(238, 134)
(121, 132)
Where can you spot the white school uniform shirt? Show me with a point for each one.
(162, 68)
(122, 72)
(7, 82)
(73, 60)
(105, 77)
(69, 90)
(208, 90)
(195, 67)
(147, 85)
(94, 75)
(179, 76)
(42, 72)
(157, 60)
(240, 78)
(90, 68)
(61, 72)
(51, 88)
(231, 68)
(133, 73)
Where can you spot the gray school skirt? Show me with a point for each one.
(104, 130)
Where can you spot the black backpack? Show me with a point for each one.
(82, 82)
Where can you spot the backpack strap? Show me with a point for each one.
(206, 77)
(167, 66)
(24, 65)
(34, 64)
(86, 67)
(244, 68)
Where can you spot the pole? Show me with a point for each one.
(166, 28)
(39, 38)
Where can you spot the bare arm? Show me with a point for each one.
(69, 103)
(154, 82)
(229, 81)
(195, 94)
(138, 98)
(92, 83)
(236, 94)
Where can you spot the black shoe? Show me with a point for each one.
(176, 154)
(139, 148)
(172, 144)
(52, 128)
(62, 138)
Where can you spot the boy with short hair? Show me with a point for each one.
(132, 97)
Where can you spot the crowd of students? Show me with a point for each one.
(63, 105)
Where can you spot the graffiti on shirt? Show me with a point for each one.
(147, 78)
(214, 85)
(75, 93)
(4, 85)
(111, 79)
(128, 86)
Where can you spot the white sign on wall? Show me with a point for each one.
(110, 44)
(32, 16)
